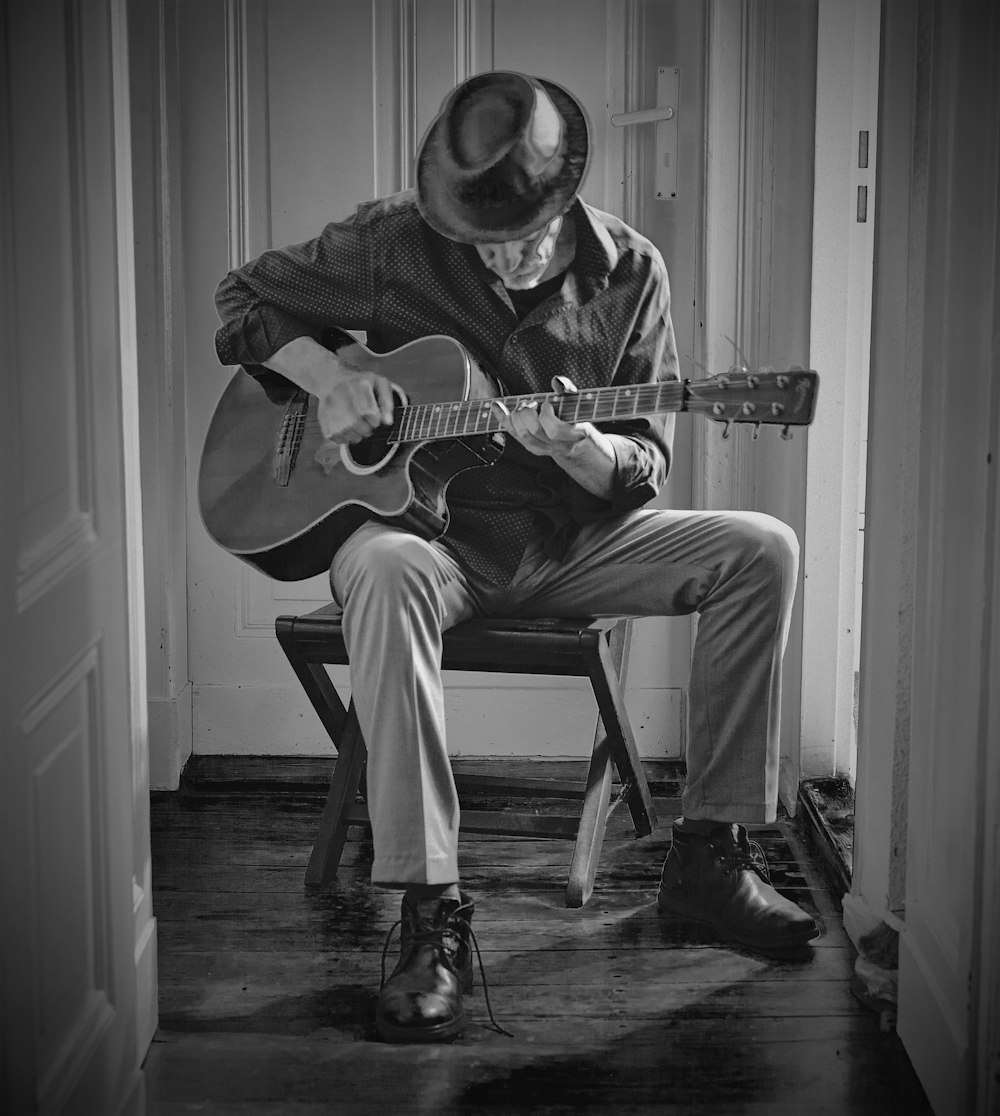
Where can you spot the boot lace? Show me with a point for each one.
(740, 857)
(452, 927)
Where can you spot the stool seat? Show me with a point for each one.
(580, 646)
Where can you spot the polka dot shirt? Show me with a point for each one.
(385, 271)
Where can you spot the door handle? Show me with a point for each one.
(643, 116)
(664, 116)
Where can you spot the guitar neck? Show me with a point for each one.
(424, 422)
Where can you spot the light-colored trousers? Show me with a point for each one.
(737, 570)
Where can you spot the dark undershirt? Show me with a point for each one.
(526, 301)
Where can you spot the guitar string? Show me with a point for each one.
(464, 418)
(425, 421)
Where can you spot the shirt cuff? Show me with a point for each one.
(640, 471)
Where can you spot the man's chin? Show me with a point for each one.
(522, 282)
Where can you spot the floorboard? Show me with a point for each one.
(267, 990)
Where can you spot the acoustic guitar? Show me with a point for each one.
(275, 494)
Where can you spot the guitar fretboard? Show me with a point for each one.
(423, 422)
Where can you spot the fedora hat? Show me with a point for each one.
(504, 156)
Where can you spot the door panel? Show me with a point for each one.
(275, 141)
(67, 955)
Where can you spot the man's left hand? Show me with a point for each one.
(542, 432)
(579, 448)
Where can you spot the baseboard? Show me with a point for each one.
(829, 844)
(788, 786)
(170, 736)
(861, 919)
(134, 1101)
(147, 1009)
(219, 775)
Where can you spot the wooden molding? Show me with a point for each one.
(625, 68)
(54, 556)
(635, 70)
(466, 26)
(246, 115)
(236, 138)
(68, 532)
(736, 159)
(407, 120)
(847, 76)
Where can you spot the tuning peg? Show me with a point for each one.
(786, 433)
(753, 381)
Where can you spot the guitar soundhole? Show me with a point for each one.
(373, 451)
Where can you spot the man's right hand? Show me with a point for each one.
(353, 402)
(353, 405)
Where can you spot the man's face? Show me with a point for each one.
(520, 264)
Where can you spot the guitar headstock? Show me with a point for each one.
(769, 398)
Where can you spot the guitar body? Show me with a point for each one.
(275, 495)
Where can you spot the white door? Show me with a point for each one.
(74, 861)
(290, 114)
(949, 945)
(928, 822)
(948, 968)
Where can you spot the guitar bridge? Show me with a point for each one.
(289, 437)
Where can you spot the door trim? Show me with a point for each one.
(142, 884)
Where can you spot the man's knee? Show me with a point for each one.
(766, 546)
(390, 564)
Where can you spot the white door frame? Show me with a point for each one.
(840, 339)
(147, 1013)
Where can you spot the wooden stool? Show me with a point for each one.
(597, 649)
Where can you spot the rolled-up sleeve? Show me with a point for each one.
(294, 292)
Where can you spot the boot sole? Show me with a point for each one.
(443, 1032)
(679, 909)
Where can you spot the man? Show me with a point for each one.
(495, 249)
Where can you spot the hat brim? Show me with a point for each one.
(456, 221)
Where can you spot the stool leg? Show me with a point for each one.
(593, 823)
(596, 808)
(323, 696)
(329, 845)
(623, 746)
(314, 679)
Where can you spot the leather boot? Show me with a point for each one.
(422, 999)
(722, 880)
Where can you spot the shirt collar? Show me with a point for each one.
(596, 253)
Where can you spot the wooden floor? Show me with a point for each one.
(267, 992)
